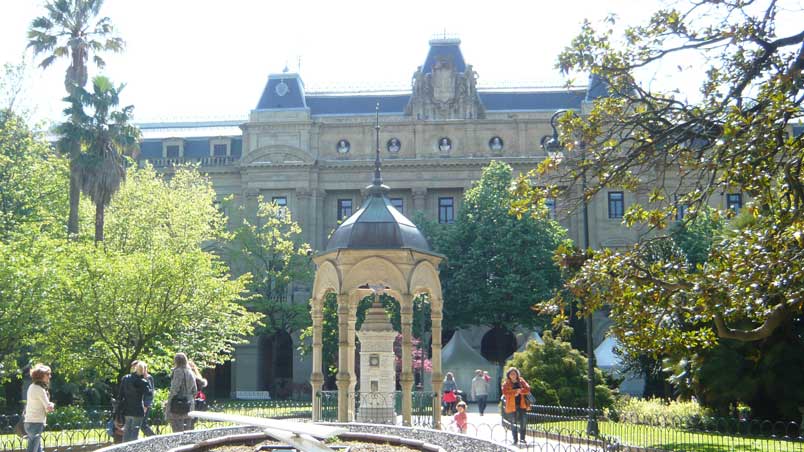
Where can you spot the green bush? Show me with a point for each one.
(557, 374)
(656, 411)
(67, 417)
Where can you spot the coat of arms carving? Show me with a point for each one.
(445, 93)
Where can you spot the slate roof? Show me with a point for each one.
(378, 225)
(449, 48)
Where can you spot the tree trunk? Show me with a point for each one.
(99, 217)
(75, 195)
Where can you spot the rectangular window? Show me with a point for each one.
(344, 209)
(398, 204)
(281, 201)
(446, 210)
(681, 208)
(172, 151)
(551, 208)
(220, 150)
(616, 204)
(734, 201)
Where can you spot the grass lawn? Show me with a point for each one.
(672, 439)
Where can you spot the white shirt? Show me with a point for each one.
(37, 404)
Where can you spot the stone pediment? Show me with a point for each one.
(445, 93)
(279, 155)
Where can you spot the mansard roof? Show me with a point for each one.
(449, 49)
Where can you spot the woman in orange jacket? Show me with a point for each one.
(516, 390)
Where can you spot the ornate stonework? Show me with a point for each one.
(445, 93)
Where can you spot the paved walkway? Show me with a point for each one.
(489, 426)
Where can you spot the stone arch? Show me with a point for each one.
(327, 279)
(277, 154)
(372, 270)
(424, 279)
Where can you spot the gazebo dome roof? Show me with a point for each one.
(378, 225)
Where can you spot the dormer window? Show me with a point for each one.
(173, 148)
(220, 147)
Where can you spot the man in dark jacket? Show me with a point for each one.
(133, 389)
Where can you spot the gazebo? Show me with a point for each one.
(376, 250)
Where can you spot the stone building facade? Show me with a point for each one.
(314, 153)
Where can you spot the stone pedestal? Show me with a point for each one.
(377, 368)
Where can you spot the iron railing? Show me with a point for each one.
(380, 407)
(669, 433)
(91, 431)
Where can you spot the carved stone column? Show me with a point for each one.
(406, 379)
(251, 197)
(435, 360)
(317, 377)
(351, 341)
(344, 376)
(419, 195)
(317, 216)
(304, 214)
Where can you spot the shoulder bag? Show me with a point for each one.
(179, 403)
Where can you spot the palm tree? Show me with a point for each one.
(71, 29)
(107, 136)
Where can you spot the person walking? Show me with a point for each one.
(516, 390)
(199, 397)
(37, 406)
(148, 401)
(182, 385)
(450, 389)
(133, 389)
(480, 391)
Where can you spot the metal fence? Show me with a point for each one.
(380, 407)
(90, 432)
(668, 433)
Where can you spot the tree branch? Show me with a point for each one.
(779, 314)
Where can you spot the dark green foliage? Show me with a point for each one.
(497, 265)
(557, 374)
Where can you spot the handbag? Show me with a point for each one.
(19, 427)
(179, 404)
(200, 401)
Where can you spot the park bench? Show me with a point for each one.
(252, 395)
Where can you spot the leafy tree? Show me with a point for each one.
(71, 29)
(557, 374)
(271, 249)
(734, 138)
(107, 136)
(498, 264)
(32, 177)
(151, 290)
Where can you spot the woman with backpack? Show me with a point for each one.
(182, 394)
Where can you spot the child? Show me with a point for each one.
(460, 417)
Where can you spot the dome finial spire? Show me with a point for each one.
(377, 182)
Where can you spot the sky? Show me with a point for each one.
(210, 59)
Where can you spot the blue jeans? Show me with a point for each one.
(481, 403)
(131, 429)
(34, 431)
(518, 420)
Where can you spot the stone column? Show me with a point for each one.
(318, 218)
(317, 376)
(304, 214)
(352, 349)
(251, 197)
(419, 195)
(344, 377)
(406, 379)
(435, 359)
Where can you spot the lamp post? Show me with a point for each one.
(551, 145)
